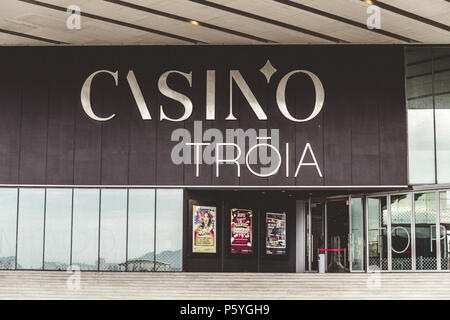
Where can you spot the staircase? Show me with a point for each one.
(127, 285)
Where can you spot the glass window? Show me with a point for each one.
(8, 220)
(428, 98)
(30, 237)
(401, 232)
(85, 228)
(421, 141)
(141, 230)
(113, 229)
(169, 229)
(317, 241)
(378, 235)
(425, 218)
(357, 235)
(444, 215)
(58, 216)
(441, 82)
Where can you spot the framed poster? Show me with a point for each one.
(275, 233)
(241, 231)
(203, 229)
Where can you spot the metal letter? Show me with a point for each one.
(86, 95)
(210, 94)
(236, 75)
(165, 90)
(137, 94)
(281, 96)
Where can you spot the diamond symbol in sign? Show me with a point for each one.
(268, 70)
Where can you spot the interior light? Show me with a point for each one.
(194, 22)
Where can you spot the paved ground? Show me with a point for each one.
(116, 285)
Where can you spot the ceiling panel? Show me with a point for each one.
(49, 24)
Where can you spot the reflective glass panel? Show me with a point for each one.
(337, 235)
(425, 218)
(419, 93)
(317, 238)
(357, 234)
(58, 219)
(401, 232)
(8, 220)
(421, 143)
(30, 237)
(113, 229)
(169, 229)
(378, 236)
(444, 216)
(85, 228)
(141, 230)
(441, 87)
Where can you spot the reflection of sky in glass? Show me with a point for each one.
(30, 228)
(425, 208)
(113, 228)
(8, 217)
(169, 219)
(85, 228)
(421, 146)
(58, 217)
(141, 221)
(443, 144)
(401, 209)
(59, 213)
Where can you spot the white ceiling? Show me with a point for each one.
(34, 20)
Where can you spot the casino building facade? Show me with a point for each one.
(285, 158)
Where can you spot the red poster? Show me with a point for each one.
(241, 231)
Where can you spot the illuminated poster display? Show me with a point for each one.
(203, 229)
(241, 231)
(275, 233)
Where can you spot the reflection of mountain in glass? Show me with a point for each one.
(165, 261)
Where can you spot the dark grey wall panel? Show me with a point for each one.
(200, 63)
(337, 118)
(63, 103)
(302, 95)
(393, 134)
(287, 130)
(142, 135)
(249, 63)
(365, 126)
(167, 173)
(115, 133)
(87, 164)
(33, 142)
(10, 115)
(358, 138)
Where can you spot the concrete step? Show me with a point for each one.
(16, 284)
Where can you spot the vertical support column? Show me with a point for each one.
(366, 225)
(350, 235)
(413, 232)
(300, 236)
(389, 232)
(438, 231)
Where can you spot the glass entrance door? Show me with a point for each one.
(377, 222)
(337, 227)
(356, 240)
(316, 233)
